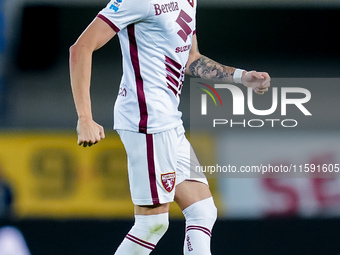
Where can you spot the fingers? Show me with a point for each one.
(263, 87)
(85, 144)
(89, 142)
(257, 75)
(263, 77)
(258, 81)
(260, 75)
(261, 91)
(265, 84)
(90, 136)
(101, 133)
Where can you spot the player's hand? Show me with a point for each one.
(258, 81)
(89, 132)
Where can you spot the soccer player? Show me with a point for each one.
(159, 45)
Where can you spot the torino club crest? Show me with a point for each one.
(168, 181)
(191, 2)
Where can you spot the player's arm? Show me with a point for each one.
(97, 34)
(206, 68)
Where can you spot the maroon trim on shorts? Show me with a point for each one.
(151, 168)
(139, 80)
(109, 22)
(140, 242)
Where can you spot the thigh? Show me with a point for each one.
(190, 192)
(151, 209)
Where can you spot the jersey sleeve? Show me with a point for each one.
(121, 13)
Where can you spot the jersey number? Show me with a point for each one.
(183, 20)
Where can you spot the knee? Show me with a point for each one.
(156, 224)
(211, 213)
(204, 210)
(208, 211)
(159, 227)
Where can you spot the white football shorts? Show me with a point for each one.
(157, 163)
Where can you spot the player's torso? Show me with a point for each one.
(155, 50)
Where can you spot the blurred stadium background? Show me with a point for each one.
(68, 200)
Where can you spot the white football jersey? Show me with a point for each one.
(155, 38)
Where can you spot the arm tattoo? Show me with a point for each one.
(208, 69)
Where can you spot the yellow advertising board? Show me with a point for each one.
(51, 176)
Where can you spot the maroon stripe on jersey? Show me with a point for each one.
(172, 71)
(203, 229)
(139, 80)
(109, 22)
(172, 80)
(140, 242)
(173, 62)
(151, 168)
(173, 90)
